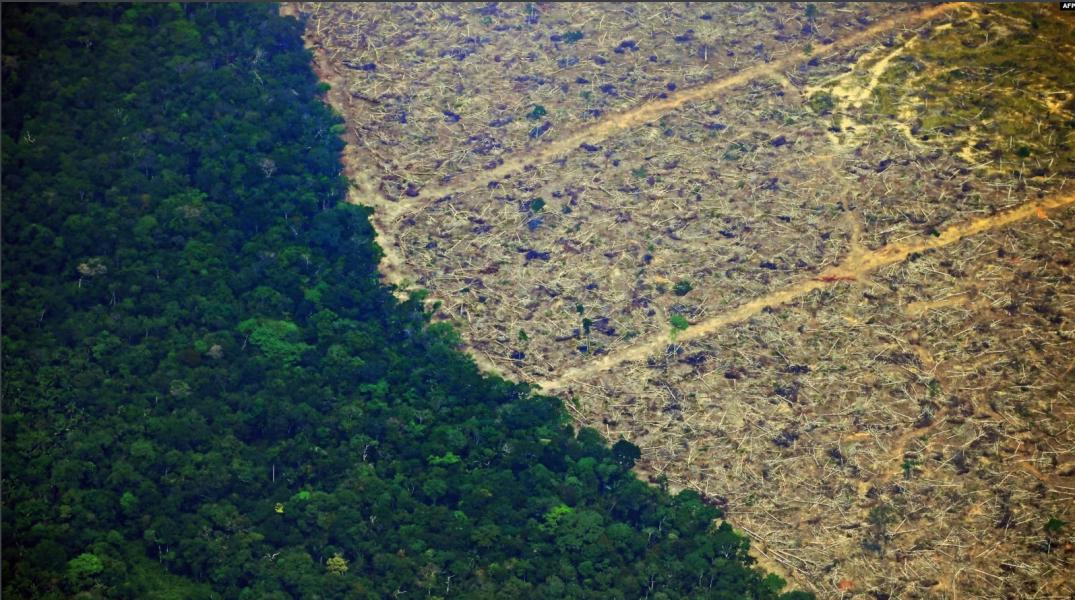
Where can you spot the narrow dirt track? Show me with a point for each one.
(651, 111)
(858, 264)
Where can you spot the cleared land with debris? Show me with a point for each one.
(815, 260)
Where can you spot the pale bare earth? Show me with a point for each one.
(863, 215)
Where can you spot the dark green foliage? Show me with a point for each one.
(879, 518)
(908, 465)
(822, 103)
(1054, 525)
(573, 36)
(682, 287)
(207, 391)
(537, 113)
(626, 453)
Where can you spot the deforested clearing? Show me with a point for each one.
(815, 260)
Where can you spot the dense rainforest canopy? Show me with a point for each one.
(208, 393)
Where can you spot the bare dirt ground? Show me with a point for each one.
(815, 260)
